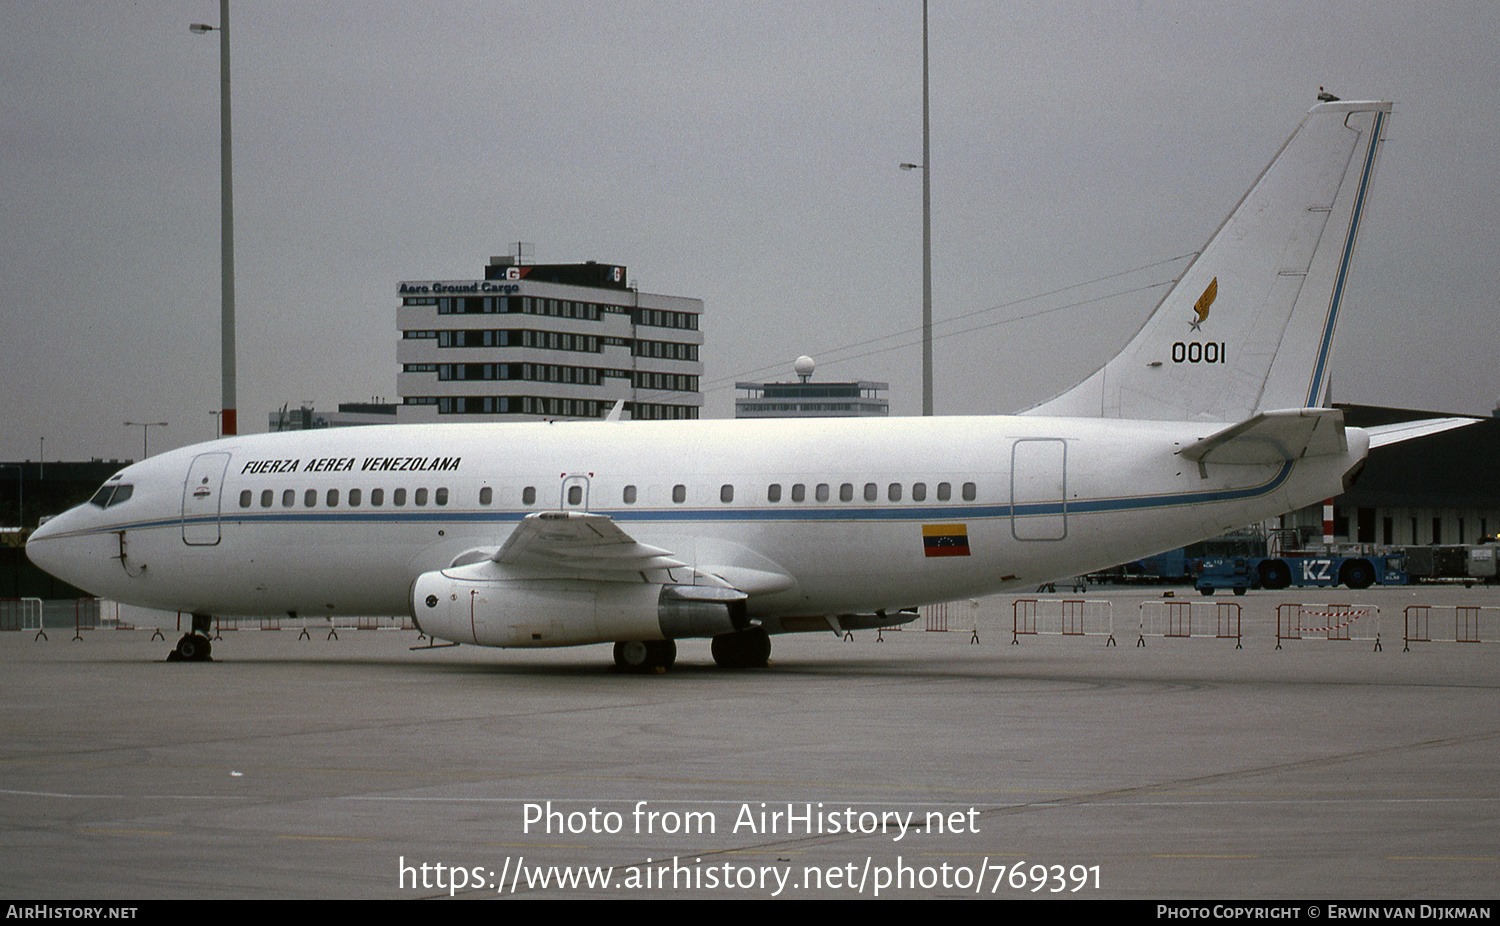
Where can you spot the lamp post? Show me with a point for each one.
(227, 422)
(144, 426)
(926, 168)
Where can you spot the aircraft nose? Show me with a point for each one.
(56, 548)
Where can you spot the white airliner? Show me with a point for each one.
(641, 533)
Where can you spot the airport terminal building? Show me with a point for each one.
(531, 342)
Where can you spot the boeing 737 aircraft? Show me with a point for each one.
(642, 533)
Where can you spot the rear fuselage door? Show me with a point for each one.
(1039, 489)
(201, 495)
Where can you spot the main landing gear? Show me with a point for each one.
(747, 649)
(645, 655)
(195, 645)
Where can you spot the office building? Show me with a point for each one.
(531, 342)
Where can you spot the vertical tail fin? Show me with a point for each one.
(1249, 326)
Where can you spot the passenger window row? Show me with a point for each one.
(354, 499)
(823, 492)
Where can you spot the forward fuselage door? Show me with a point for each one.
(201, 495)
(575, 492)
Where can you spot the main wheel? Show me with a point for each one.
(747, 649)
(645, 655)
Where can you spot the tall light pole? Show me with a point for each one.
(144, 426)
(926, 168)
(227, 421)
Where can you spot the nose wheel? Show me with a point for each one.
(194, 645)
(191, 648)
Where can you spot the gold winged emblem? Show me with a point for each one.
(1200, 308)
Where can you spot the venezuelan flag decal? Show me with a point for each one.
(945, 539)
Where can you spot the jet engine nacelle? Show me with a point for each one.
(464, 605)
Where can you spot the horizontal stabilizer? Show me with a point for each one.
(1407, 430)
(1274, 437)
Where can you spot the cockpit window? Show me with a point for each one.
(112, 495)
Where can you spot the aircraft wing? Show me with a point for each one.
(1273, 437)
(579, 540)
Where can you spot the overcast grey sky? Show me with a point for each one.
(741, 153)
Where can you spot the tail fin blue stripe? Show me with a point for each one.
(1338, 289)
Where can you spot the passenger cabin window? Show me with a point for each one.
(528, 495)
(872, 491)
(726, 494)
(893, 492)
(377, 497)
(288, 498)
(267, 496)
(420, 496)
(440, 496)
(919, 492)
(773, 492)
(575, 495)
(629, 495)
(971, 492)
(799, 492)
(354, 497)
(398, 497)
(333, 498)
(310, 497)
(846, 492)
(945, 491)
(679, 494)
(821, 492)
(486, 496)
(245, 498)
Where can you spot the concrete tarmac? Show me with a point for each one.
(923, 764)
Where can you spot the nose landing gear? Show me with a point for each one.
(194, 645)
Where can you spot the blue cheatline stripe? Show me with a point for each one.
(742, 515)
(1338, 288)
